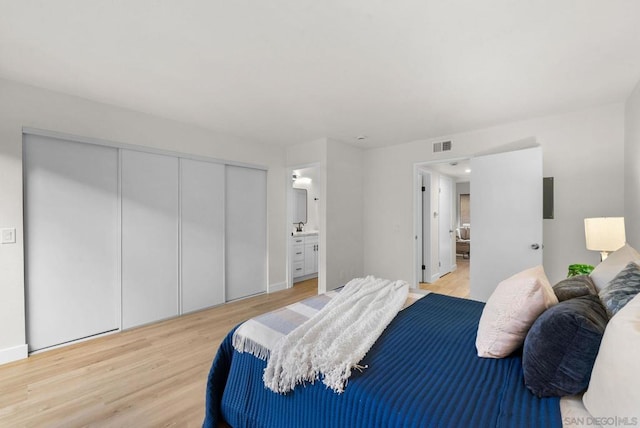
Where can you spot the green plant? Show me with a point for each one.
(579, 269)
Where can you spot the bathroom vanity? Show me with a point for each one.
(304, 248)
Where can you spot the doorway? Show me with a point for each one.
(303, 224)
(438, 233)
(506, 205)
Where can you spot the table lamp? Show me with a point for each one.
(604, 234)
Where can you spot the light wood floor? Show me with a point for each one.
(455, 283)
(152, 376)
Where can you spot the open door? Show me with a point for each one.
(446, 237)
(506, 226)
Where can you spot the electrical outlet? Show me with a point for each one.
(8, 236)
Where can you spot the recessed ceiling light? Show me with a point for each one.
(467, 170)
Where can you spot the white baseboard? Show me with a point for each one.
(14, 353)
(277, 286)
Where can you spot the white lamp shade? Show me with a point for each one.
(604, 233)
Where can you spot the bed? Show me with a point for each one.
(422, 371)
(447, 362)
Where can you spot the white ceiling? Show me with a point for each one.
(460, 170)
(286, 72)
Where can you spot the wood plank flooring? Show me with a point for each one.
(152, 376)
(455, 283)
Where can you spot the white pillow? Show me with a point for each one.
(612, 265)
(614, 388)
(511, 310)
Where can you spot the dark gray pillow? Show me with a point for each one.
(562, 345)
(575, 286)
(621, 289)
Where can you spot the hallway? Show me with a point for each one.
(455, 283)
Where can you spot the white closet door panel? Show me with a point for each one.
(246, 231)
(71, 222)
(149, 237)
(202, 233)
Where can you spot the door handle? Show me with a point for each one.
(535, 246)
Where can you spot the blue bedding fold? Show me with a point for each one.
(422, 372)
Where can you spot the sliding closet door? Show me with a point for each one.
(149, 237)
(202, 234)
(71, 247)
(246, 231)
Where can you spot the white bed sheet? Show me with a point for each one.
(574, 414)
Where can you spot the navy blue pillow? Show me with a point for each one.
(562, 345)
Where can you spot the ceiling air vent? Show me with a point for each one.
(443, 146)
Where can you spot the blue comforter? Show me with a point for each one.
(422, 372)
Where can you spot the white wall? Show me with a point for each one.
(310, 152)
(340, 207)
(22, 105)
(344, 213)
(632, 168)
(582, 150)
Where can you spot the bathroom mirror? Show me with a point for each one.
(299, 206)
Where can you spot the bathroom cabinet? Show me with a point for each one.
(304, 256)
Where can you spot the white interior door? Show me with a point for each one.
(72, 253)
(506, 222)
(202, 234)
(246, 232)
(149, 237)
(445, 225)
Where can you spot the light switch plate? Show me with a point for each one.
(8, 236)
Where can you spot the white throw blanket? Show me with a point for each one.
(334, 340)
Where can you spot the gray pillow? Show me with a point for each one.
(621, 289)
(575, 286)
